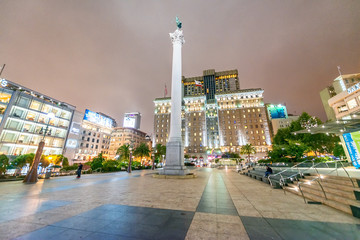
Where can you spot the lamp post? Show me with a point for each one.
(32, 176)
(153, 157)
(130, 160)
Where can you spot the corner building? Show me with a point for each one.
(24, 119)
(217, 116)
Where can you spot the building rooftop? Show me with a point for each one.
(7, 84)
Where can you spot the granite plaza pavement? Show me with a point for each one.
(218, 204)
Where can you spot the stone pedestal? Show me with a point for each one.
(174, 160)
(174, 147)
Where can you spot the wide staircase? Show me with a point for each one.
(316, 184)
(342, 193)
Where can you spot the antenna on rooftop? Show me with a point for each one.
(2, 69)
(339, 70)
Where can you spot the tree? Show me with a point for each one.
(124, 152)
(4, 162)
(160, 150)
(65, 162)
(20, 161)
(339, 151)
(278, 152)
(296, 149)
(110, 165)
(296, 145)
(247, 149)
(142, 151)
(97, 162)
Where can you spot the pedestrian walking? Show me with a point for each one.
(78, 171)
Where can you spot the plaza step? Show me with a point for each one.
(343, 181)
(339, 206)
(340, 192)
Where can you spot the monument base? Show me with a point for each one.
(174, 160)
(178, 172)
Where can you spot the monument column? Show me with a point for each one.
(174, 147)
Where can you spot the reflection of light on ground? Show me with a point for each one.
(32, 205)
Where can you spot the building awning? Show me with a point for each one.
(336, 127)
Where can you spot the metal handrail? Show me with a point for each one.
(292, 167)
(312, 167)
(319, 178)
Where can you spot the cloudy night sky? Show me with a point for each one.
(115, 56)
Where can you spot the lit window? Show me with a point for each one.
(352, 103)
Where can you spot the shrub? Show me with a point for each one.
(4, 162)
(110, 166)
(68, 168)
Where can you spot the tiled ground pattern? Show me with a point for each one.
(219, 204)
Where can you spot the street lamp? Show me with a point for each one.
(153, 157)
(130, 160)
(32, 176)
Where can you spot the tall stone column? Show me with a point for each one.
(174, 147)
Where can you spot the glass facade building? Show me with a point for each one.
(24, 119)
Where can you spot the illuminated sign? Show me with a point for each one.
(129, 122)
(277, 111)
(3, 82)
(71, 143)
(75, 129)
(353, 88)
(352, 142)
(98, 119)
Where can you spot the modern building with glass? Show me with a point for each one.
(24, 120)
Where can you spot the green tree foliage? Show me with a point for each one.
(109, 165)
(278, 152)
(285, 143)
(296, 149)
(248, 149)
(159, 151)
(124, 152)
(142, 151)
(97, 162)
(339, 151)
(65, 162)
(21, 160)
(4, 162)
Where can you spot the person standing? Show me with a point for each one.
(79, 170)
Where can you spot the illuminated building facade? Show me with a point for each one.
(217, 116)
(24, 118)
(95, 132)
(339, 85)
(132, 120)
(125, 136)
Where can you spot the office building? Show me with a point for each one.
(278, 117)
(339, 85)
(24, 119)
(126, 136)
(217, 116)
(94, 137)
(132, 120)
(279, 123)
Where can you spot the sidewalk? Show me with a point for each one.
(218, 204)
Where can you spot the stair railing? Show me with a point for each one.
(282, 179)
(319, 177)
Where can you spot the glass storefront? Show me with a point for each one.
(26, 123)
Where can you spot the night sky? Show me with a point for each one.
(115, 56)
